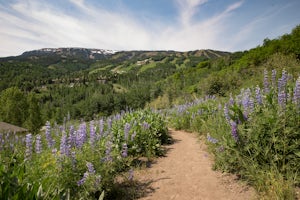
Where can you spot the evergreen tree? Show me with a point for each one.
(13, 106)
(34, 120)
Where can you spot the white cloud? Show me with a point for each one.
(187, 9)
(205, 34)
(255, 31)
(233, 6)
(28, 25)
(79, 3)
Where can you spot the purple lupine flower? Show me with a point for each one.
(78, 140)
(91, 171)
(117, 117)
(282, 99)
(133, 136)
(126, 130)
(182, 109)
(258, 95)
(28, 151)
(251, 104)
(274, 72)
(82, 181)
(38, 144)
(296, 96)
(131, 174)
(282, 82)
(91, 168)
(234, 131)
(82, 129)
(226, 113)
(212, 140)
(81, 135)
(108, 150)
(92, 133)
(49, 139)
(72, 137)
(239, 98)
(284, 76)
(109, 124)
(64, 147)
(71, 129)
(247, 101)
(246, 98)
(124, 150)
(266, 82)
(145, 125)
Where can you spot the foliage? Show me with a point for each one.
(78, 162)
(254, 133)
(13, 106)
(20, 109)
(71, 82)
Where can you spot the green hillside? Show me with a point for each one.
(82, 82)
(75, 81)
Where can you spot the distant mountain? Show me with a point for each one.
(63, 53)
(98, 54)
(70, 52)
(65, 60)
(140, 55)
(72, 58)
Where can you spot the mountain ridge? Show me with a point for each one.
(97, 53)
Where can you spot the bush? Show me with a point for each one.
(78, 163)
(255, 134)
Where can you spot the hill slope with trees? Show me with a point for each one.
(86, 83)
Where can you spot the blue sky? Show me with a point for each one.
(182, 25)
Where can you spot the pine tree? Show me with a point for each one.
(34, 120)
(13, 106)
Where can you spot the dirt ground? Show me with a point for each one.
(186, 173)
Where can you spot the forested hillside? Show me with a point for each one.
(85, 83)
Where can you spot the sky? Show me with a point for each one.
(181, 25)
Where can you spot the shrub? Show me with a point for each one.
(256, 132)
(78, 162)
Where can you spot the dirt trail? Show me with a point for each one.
(185, 173)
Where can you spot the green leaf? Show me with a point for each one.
(40, 192)
(101, 196)
(297, 153)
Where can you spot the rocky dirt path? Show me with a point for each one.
(185, 173)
